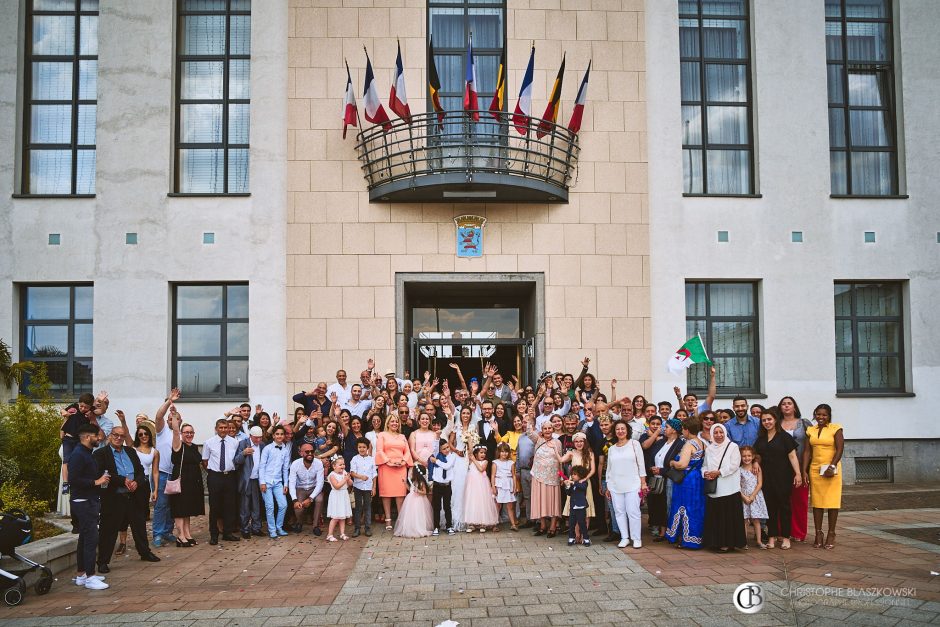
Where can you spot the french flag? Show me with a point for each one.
(470, 103)
(398, 99)
(349, 104)
(574, 125)
(520, 117)
(374, 110)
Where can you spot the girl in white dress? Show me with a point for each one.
(338, 508)
(504, 483)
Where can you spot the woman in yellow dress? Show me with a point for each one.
(822, 466)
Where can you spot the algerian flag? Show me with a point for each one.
(692, 352)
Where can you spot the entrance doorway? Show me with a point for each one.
(470, 320)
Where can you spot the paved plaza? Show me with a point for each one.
(883, 572)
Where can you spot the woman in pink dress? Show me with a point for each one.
(415, 519)
(479, 504)
(423, 441)
(392, 459)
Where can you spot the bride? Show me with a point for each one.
(462, 439)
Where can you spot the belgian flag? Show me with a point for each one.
(434, 83)
(499, 97)
(554, 104)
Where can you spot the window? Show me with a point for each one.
(210, 340)
(451, 22)
(56, 330)
(725, 315)
(862, 124)
(869, 337)
(715, 71)
(60, 92)
(213, 91)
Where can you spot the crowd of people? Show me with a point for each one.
(426, 460)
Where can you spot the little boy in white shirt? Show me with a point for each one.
(362, 470)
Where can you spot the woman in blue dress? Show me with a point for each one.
(687, 511)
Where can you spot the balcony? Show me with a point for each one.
(466, 161)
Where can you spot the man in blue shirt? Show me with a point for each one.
(125, 498)
(743, 429)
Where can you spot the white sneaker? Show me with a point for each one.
(637, 544)
(98, 577)
(623, 544)
(451, 531)
(436, 532)
(96, 584)
(80, 580)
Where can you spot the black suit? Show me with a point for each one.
(116, 507)
(490, 441)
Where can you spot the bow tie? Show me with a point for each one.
(278, 447)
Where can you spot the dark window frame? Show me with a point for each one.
(484, 98)
(225, 101)
(855, 354)
(709, 319)
(704, 104)
(223, 358)
(70, 392)
(890, 109)
(74, 103)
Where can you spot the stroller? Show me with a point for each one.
(16, 528)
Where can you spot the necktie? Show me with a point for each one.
(222, 455)
(443, 470)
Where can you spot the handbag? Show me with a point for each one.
(711, 485)
(656, 483)
(675, 475)
(173, 486)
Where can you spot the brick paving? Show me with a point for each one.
(512, 579)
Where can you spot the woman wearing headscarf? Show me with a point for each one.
(724, 516)
(669, 447)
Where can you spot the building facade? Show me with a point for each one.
(133, 274)
(185, 211)
(820, 288)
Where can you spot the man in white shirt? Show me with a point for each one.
(548, 409)
(305, 486)
(357, 405)
(218, 458)
(340, 388)
(247, 460)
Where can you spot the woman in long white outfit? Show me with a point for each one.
(458, 443)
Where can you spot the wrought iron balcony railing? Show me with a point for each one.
(463, 160)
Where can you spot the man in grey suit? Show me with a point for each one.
(247, 459)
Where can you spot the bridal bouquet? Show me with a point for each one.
(470, 438)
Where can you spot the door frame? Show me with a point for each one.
(531, 284)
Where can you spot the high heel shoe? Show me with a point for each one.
(191, 542)
(180, 543)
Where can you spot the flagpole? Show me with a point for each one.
(358, 119)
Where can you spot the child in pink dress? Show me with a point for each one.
(479, 504)
(415, 519)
